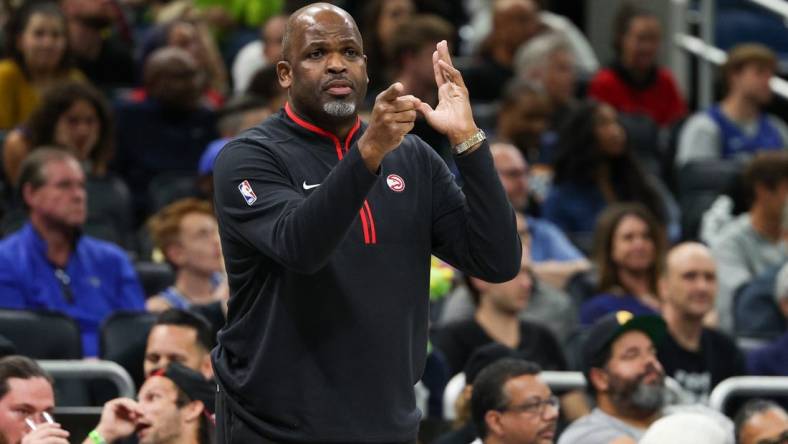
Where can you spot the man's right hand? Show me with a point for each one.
(119, 419)
(46, 434)
(392, 118)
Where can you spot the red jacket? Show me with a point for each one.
(659, 98)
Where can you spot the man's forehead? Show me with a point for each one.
(158, 383)
(35, 391)
(319, 21)
(527, 386)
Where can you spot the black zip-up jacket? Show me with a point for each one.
(326, 332)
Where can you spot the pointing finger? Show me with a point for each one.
(391, 93)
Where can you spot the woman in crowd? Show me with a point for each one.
(629, 248)
(381, 19)
(635, 83)
(38, 57)
(72, 115)
(594, 168)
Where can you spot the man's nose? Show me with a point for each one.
(335, 63)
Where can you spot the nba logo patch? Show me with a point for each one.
(246, 191)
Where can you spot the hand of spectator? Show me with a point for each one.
(119, 419)
(452, 116)
(393, 116)
(46, 434)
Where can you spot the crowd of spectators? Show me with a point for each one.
(113, 111)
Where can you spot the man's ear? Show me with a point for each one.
(28, 194)
(174, 253)
(192, 411)
(205, 366)
(599, 379)
(284, 73)
(493, 420)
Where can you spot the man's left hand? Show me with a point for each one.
(452, 116)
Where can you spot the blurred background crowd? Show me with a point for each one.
(632, 195)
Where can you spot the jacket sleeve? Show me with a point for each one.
(474, 229)
(273, 217)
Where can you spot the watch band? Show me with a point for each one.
(465, 145)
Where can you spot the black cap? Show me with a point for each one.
(486, 355)
(609, 327)
(192, 383)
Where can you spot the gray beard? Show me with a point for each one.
(339, 108)
(648, 398)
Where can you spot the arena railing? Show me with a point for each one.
(747, 385)
(702, 46)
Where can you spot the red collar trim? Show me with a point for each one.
(316, 129)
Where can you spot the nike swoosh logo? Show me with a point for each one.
(309, 187)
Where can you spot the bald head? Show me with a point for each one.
(171, 77)
(685, 252)
(311, 16)
(690, 281)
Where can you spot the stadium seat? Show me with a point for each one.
(42, 334)
(169, 187)
(154, 276)
(699, 183)
(123, 338)
(109, 210)
(47, 335)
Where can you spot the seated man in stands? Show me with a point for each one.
(554, 257)
(497, 319)
(738, 126)
(168, 131)
(50, 265)
(543, 304)
(761, 422)
(183, 337)
(753, 242)
(547, 60)
(187, 234)
(26, 403)
(624, 376)
(697, 357)
(512, 405)
(175, 405)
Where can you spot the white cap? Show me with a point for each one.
(688, 428)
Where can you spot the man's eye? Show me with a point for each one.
(316, 54)
(350, 52)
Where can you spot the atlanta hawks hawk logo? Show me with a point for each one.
(395, 183)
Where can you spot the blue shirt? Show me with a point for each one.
(734, 141)
(548, 243)
(605, 303)
(102, 281)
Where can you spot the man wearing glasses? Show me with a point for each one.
(26, 398)
(512, 405)
(49, 264)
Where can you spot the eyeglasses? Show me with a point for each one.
(782, 439)
(65, 284)
(535, 408)
(33, 422)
